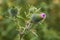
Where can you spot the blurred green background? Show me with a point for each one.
(10, 25)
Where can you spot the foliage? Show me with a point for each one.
(16, 16)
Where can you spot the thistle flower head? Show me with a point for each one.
(43, 15)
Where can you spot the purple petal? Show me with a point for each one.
(43, 15)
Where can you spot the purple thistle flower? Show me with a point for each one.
(43, 15)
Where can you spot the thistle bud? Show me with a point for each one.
(13, 11)
(38, 17)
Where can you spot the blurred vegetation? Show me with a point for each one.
(15, 15)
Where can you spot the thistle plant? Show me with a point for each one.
(22, 21)
(33, 19)
(19, 25)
